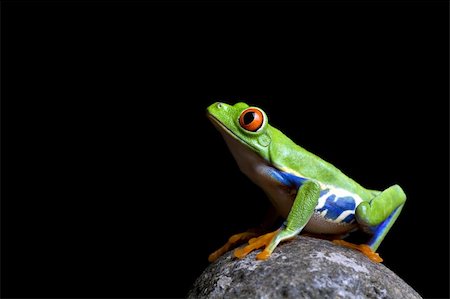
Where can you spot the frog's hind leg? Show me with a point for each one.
(381, 230)
(380, 213)
(378, 216)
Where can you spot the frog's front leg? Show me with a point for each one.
(378, 215)
(301, 211)
(233, 241)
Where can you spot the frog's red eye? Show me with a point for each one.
(251, 119)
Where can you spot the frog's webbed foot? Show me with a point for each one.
(364, 248)
(256, 243)
(233, 241)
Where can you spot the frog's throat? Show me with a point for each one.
(225, 131)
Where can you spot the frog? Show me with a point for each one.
(311, 195)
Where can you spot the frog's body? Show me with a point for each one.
(309, 192)
(336, 206)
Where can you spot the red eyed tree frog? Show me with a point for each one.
(309, 193)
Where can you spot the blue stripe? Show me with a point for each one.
(287, 179)
(349, 219)
(323, 192)
(335, 206)
(379, 229)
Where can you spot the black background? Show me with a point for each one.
(114, 183)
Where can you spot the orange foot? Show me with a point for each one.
(232, 241)
(256, 243)
(365, 249)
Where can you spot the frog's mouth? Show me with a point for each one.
(222, 129)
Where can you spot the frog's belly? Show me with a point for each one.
(335, 210)
(334, 213)
(319, 225)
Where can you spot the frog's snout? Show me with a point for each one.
(217, 107)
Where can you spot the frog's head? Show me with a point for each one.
(243, 123)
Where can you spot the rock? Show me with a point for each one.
(304, 267)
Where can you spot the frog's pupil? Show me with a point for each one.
(249, 117)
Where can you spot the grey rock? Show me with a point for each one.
(304, 267)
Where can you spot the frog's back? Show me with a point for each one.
(294, 159)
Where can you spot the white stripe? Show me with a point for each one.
(321, 201)
(343, 215)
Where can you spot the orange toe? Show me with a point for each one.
(364, 248)
(232, 241)
(263, 255)
(255, 243)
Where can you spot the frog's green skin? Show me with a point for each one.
(309, 192)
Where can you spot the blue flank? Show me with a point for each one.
(334, 206)
(287, 179)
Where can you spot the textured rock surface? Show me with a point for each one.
(302, 268)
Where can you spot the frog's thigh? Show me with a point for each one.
(381, 212)
(379, 208)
